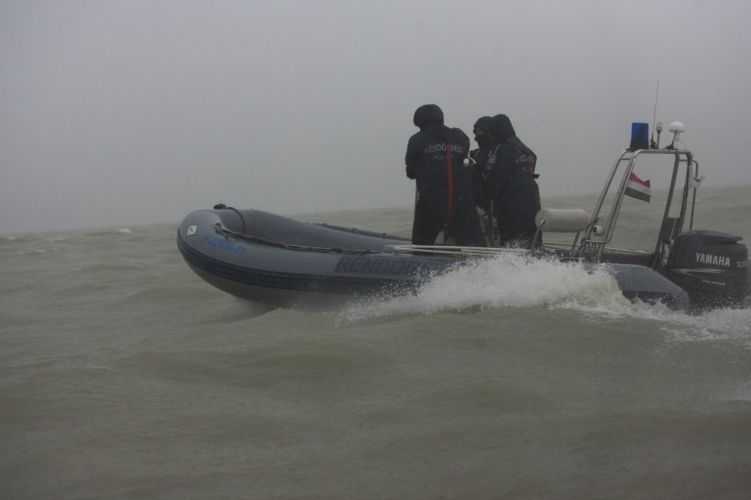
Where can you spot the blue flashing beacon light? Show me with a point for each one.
(639, 136)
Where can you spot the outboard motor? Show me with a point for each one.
(711, 266)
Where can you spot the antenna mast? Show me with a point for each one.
(656, 143)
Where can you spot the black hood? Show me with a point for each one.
(483, 131)
(426, 115)
(503, 130)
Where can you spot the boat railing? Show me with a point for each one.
(600, 231)
(454, 251)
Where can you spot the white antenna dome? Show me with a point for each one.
(676, 127)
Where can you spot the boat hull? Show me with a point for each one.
(280, 262)
(300, 273)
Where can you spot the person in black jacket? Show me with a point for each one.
(486, 142)
(482, 176)
(516, 195)
(444, 198)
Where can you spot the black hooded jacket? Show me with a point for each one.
(516, 194)
(445, 201)
(514, 163)
(435, 158)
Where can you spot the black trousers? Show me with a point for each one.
(463, 227)
(516, 211)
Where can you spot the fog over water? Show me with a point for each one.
(137, 112)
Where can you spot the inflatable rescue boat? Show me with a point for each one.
(283, 262)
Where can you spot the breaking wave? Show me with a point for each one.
(519, 282)
(503, 281)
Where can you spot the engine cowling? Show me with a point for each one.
(711, 266)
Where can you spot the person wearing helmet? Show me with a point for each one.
(444, 199)
(515, 192)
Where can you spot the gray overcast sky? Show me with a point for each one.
(126, 112)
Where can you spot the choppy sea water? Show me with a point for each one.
(123, 375)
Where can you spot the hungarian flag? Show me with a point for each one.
(638, 188)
